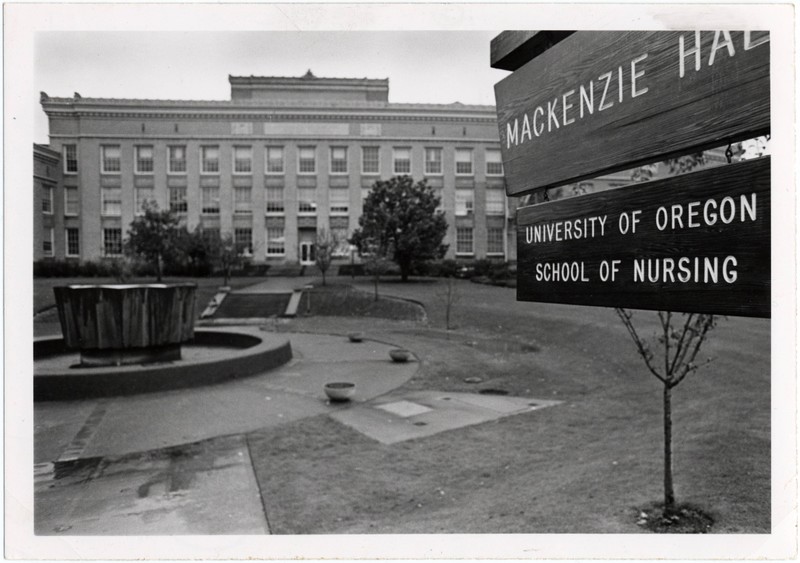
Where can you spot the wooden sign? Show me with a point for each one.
(693, 243)
(599, 102)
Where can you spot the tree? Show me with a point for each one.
(450, 296)
(375, 261)
(153, 237)
(678, 345)
(228, 254)
(400, 217)
(326, 244)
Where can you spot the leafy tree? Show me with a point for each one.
(400, 218)
(325, 245)
(197, 252)
(676, 349)
(154, 237)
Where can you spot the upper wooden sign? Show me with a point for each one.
(599, 102)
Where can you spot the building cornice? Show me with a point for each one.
(284, 139)
(206, 109)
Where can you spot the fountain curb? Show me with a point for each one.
(89, 383)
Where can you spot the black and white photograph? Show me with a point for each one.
(418, 281)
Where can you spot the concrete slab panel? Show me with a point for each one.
(404, 409)
(206, 488)
(443, 411)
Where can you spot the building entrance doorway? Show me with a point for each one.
(307, 254)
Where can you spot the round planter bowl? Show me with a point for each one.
(399, 355)
(356, 336)
(340, 391)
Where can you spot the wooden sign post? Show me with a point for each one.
(583, 104)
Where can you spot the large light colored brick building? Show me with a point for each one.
(281, 160)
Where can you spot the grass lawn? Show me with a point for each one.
(587, 465)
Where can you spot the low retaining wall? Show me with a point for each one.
(250, 355)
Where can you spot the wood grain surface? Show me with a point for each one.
(748, 241)
(726, 101)
(117, 317)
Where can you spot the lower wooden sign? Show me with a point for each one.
(699, 242)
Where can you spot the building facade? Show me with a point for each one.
(279, 162)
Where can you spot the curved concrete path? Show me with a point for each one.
(67, 431)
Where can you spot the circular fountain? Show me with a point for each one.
(127, 339)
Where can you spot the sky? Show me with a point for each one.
(422, 66)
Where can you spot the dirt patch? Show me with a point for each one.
(683, 519)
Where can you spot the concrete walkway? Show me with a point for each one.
(94, 459)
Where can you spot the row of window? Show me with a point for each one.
(110, 160)
(275, 241)
(339, 199)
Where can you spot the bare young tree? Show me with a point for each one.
(375, 261)
(326, 245)
(450, 296)
(677, 346)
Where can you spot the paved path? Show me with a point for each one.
(108, 465)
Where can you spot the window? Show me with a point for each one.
(370, 160)
(209, 160)
(275, 201)
(111, 201)
(243, 238)
(71, 205)
(495, 202)
(210, 200)
(109, 163)
(112, 242)
(494, 163)
(465, 200)
(242, 160)
(494, 241)
(274, 160)
(47, 242)
(242, 199)
(464, 162)
(47, 200)
(464, 240)
(307, 200)
(177, 160)
(340, 201)
(144, 160)
(143, 196)
(402, 160)
(276, 242)
(177, 199)
(342, 244)
(433, 161)
(338, 160)
(73, 242)
(307, 160)
(70, 159)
